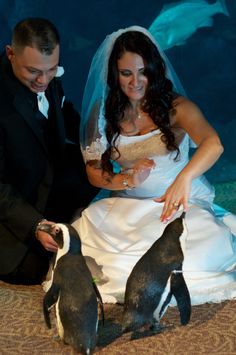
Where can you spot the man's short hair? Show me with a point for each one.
(37, 33)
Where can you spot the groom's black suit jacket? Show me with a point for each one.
(27, 161)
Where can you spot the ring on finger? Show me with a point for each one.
(175, 205)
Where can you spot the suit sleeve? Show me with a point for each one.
(18, 216)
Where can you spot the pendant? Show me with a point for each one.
(139, 116)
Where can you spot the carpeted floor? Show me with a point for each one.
(212, 329)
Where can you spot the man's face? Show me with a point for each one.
(32, 68)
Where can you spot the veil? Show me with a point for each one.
(92, 126)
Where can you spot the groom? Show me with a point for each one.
(42, 173)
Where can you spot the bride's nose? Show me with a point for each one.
(135, 80)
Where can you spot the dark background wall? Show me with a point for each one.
(206, 62)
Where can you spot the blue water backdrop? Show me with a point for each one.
(200, 40)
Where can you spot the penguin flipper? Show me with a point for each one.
(99, 298)
(49, 300)
(180, 291)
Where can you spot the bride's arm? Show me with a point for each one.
(121, 181)
(209, 148)
(99, 178)
(190, 118)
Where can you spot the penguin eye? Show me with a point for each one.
(57, 230)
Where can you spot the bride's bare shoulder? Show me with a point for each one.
(182, 109)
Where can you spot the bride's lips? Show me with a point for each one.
(136, 89)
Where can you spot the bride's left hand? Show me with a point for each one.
(176, 195)
(141, 170)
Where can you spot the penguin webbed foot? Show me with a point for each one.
(158, 327)
(147, 331)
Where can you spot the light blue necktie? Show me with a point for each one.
(43, 104)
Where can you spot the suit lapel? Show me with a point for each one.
(25, 107)
(24, 101)
(56, 119)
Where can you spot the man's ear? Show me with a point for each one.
(9, 52)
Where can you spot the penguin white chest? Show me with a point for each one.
(159, 311)
(63, 251)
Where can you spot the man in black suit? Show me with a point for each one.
(42, 173)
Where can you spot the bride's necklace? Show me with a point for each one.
(135, 114)
(139, 115)
(131, 122)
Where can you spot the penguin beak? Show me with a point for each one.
(183, 214)
(54, 231)
(48, 228)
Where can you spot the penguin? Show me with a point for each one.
(72, 291)
(155, 278)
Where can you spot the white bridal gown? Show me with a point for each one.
(117, 231)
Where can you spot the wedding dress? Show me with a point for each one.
(116, 231)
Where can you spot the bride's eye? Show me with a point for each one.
(125, 72)
(142, 71)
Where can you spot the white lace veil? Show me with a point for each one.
(92, 128)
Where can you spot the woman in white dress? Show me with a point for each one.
(136, 131)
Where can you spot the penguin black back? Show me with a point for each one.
(151, 283)
(72, 292)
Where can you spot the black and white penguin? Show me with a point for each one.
(154, 280)
(72, 291)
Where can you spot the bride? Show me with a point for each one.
(136, 131)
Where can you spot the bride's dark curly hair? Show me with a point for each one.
(159, 95)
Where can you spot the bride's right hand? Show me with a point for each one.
(141, 170)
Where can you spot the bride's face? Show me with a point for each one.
(132, 80)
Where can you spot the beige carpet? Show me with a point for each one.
(212, 329)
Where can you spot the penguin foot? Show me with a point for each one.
(157, 327)
(143, 333)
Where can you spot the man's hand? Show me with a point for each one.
(46, 239)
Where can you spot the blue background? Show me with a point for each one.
(206, 63)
